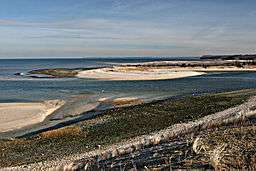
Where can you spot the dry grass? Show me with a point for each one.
(126, 101)
(233, 148)
(74, 130)
(131, 69)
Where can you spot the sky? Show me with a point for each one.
(90, 28)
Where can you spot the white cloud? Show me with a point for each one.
(129, 34)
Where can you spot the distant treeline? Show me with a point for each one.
(230, 57)
(202, 63)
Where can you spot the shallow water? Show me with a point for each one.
(81, 92)
(16, 88)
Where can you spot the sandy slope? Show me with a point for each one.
(133, 73)
(17, 115)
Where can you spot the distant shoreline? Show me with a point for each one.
(156, 70)
(229, 57)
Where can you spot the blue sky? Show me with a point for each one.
(80, 28)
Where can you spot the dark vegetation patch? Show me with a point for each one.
(58, 72)
(142, 119)
(113, 126)
(230, 57)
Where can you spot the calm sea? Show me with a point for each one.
(16, 88)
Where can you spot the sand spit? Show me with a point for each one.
(17, 115)
(230, 115)
(135, 73)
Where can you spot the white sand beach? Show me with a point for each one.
(135, 73)
(17, 115)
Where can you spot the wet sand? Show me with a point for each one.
(17, 115)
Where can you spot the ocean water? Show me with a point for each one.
(16, 88)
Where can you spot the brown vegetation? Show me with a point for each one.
(75, 130)
(232, 148)
(126, 101)
(57, 72)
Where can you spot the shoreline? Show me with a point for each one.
(156, 70)
(14, 116)
(54, 121)
(68, 114)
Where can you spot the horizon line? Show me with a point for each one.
(90, 57)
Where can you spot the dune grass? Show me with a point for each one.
(230, 148)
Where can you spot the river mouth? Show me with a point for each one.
(83, 95)
(77, 90)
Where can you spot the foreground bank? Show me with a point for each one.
(118, 126)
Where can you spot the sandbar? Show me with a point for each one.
(135, 73)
